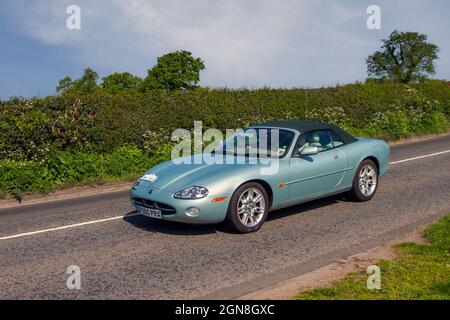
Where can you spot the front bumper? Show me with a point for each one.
(175, 209)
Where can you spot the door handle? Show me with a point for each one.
(336, 156)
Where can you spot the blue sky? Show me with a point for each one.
(247, 43)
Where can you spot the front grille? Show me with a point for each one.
(165, 209)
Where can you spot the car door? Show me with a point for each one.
(338, 166)
(312, 176)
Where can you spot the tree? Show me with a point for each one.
(121, 81)
(177, 70)
(404, 57)
(65, 84)
(86, 84)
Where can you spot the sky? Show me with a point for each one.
(245, 43)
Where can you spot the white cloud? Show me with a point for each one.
(244, 43)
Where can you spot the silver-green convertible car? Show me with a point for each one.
(278, 164)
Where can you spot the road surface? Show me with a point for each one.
(123, 255)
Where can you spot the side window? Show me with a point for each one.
(319, 138)
(336, 139)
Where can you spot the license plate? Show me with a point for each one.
(148, 212)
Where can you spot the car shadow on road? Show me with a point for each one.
(304, 207)
(170, 227)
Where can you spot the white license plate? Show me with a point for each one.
(148, 212)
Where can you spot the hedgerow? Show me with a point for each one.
(48, 142)
(61, 168)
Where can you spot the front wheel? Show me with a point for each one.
(248, 208)
(365, 182)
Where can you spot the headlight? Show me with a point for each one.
(191, 193)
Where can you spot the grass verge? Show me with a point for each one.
(420, 271)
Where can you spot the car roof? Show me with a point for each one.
(306, 125)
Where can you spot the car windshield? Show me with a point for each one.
(258, 142)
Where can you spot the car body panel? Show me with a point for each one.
(298, 179)
(316, 175)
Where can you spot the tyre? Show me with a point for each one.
(365, 182)
(248, 208)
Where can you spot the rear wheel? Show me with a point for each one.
(248, 208)
(365, 182)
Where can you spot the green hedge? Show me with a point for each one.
(61, 168)
(101, 122)
(49, 142)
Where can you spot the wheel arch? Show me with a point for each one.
(375, 160)
(265, 185)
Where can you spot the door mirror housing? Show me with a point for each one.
(309, 151)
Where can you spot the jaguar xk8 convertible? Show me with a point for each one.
(311, 160)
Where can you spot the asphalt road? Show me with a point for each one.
(139, 258)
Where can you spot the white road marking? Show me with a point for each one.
(133, 214)
(421, 157)
(65, 227)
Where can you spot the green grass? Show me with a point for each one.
(420, 271)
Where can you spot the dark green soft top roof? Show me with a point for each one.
(305, 126)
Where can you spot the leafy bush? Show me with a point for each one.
(72, 138)
(101, 122)
(58, 168)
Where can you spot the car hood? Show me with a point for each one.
(173, 177)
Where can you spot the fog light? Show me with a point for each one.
(192, 212)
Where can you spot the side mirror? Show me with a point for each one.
(309, 151)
